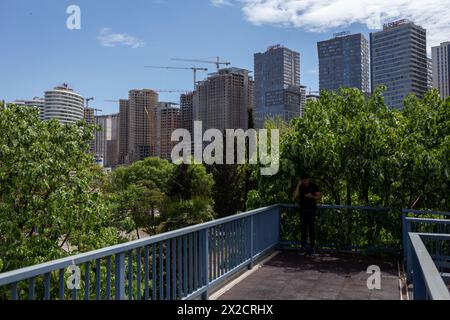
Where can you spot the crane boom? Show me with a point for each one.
(217, 62)
(194, 69)
(156, 90)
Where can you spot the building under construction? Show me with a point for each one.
(168, 119)
(137, 126)
(224, 100)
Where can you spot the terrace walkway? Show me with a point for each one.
(289, 276)
(198, 262)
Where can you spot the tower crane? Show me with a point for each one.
(156, 90)
(194, 70)
(217, 62)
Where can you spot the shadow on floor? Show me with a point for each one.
(290, 276)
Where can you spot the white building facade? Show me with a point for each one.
(64, 105)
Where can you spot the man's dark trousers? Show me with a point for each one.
(308, 227)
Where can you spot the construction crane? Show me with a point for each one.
(217, 62)
(194, 69)
(156, 90)
(87, 102)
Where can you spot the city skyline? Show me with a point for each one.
(105, 59)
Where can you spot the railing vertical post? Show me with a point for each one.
(251, 240)
(404, 236)
(408, 253)
(119, 277)
(406, 246)
(419, 288)
(279, 226)
(205, 262)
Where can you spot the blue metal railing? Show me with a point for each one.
(346, 228)
(190, 262)
(183, 264)
(428, 282)
(413, 221)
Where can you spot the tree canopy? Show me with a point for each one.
(361, 152)
(48, 200)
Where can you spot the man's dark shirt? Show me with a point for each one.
(307, 204)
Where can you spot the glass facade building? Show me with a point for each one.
(441, 69)
(277, 90)
(344, 62)
(399, 61)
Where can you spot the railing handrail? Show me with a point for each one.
(47, 267)
(39, 269)
(428, 220)
(422, 212)
(334, 206)
(433, 280)
(435, 236)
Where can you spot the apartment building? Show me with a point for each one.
(344, 62)
(168, 119)
(224, 100)
(277, 91)
(441, 69)
(399, 61)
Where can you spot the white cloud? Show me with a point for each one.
(221, 3)
(326, 15)
(109, 39)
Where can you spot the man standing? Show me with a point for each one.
(307, 194)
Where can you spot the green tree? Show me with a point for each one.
(228, 201)
(137, 193)
(189, 200)
(362, 152)
(49, 202)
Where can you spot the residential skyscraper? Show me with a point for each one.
(277, 85)
(441, 69)
(344, 62)
(399, 61)
(123, 131)
(106, 139)
(429, 73)
(63, 104)
(168, 119)
(187, 109)
(137, 126)
(224, 100)
(89, 117)
(142, 124)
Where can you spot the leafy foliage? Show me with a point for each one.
(361, 152)
(48, 202)
(189, 200)
(155, 195)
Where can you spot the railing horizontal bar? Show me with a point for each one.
(434, 282)
(428, 220)
(434, 236)
(330, 206)
(422, 212)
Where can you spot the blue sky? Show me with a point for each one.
(38, 52)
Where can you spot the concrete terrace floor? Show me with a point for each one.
(290, 276)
